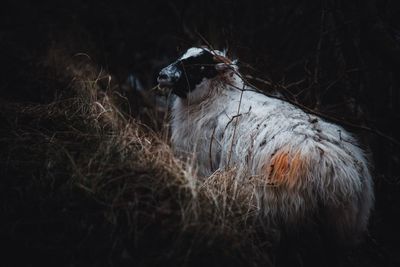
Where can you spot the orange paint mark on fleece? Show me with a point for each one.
(285, 168)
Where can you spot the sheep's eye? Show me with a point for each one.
(202, 68)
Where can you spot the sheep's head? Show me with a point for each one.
(193, 69)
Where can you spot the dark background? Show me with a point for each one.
(337, 57)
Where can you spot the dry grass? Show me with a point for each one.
(72, 193)
(85, 142)
(87, 160)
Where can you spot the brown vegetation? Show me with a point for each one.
(87, 174)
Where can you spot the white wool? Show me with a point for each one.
(197, 51)
(320, 164)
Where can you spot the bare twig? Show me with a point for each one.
(210, 149)
(318, 113)
(234, 130)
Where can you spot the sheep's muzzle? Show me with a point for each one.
(168, 76)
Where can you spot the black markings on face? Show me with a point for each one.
(194, 69)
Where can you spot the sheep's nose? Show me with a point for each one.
(168, 76)
(164, 80)
(162, 76)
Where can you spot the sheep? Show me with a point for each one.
(307, 164)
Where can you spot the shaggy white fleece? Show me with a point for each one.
(306, 163)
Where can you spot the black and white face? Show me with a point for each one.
(186, 73)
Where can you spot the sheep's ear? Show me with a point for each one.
(221, 66)
(226, 66)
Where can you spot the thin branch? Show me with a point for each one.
(236, 122)
(210, 149)
(314, 112)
